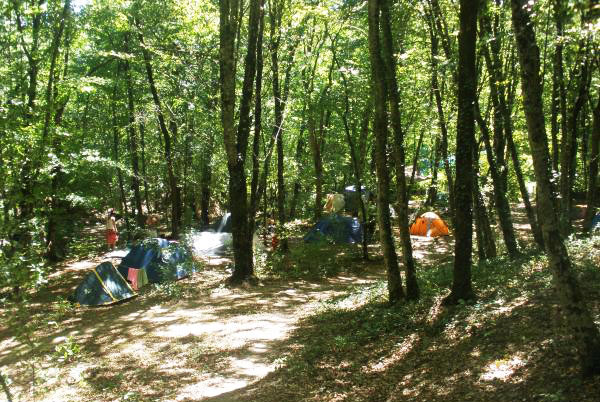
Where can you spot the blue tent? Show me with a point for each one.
(595, 223)
(341, 229)
(104, 285)
(162, 260)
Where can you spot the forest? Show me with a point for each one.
(280, 120)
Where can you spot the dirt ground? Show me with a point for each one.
(199, 339)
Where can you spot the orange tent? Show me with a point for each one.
(429, 224)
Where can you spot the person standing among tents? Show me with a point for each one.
(112, 233)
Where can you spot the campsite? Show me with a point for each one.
(290, 200)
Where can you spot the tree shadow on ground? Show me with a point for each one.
(511, 345)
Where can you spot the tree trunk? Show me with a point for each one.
(133, 145)
(592, 190)
(465, 141)
(569, 141)
(581, 323)
(236, 143)
(144, 174)
(254, 183)
(441, 119)
(501, 204)
(354, 159)
(123, 204)
(379, 96)
(412, 288)
(415, 163)
(486, 242)
(173, 185)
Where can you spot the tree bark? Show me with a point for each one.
(569, 140)
(579, 319)
(412, 288)
(354, 159)
(254, 183)
(236, 142)
(465, 140)
(176, 212)
(379, 96)
(441, 119)
(133, 146)
(592, 190)
(501, 204)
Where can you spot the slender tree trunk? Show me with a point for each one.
(569, 142)
(465, 141)
(133, 145)
(254, 184)
(144, 174)
(415, 162)
(379, 96)
(581, 323)
(486, 241)
(173, 185)
(123, 204)
(441, 119)
(354, 160)
(592, 190)
(298, 158)
(433, 186)
(501, 204)
(412, 288)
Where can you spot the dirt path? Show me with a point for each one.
(188, 341)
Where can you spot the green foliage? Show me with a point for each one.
(309, 260)
(67, 351)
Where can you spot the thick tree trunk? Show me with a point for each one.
(501, 204)
(412, 288)
(592, 190)
(581, 323)
(379, 95)
(236, 143)
(465, 141)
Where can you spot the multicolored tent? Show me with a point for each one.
(430, 225)
(161, 259)
(104, 285)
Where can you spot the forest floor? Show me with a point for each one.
(317, 327)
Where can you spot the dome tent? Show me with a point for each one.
(430, 225)
(104, 285)
(162, 260)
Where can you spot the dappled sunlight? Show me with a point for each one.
(502, 369)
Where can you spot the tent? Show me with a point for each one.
(595, 223)
(104, 285)
(335, 203)
(429, 224)
(162, 260)
(351, 198)
(342, 229)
